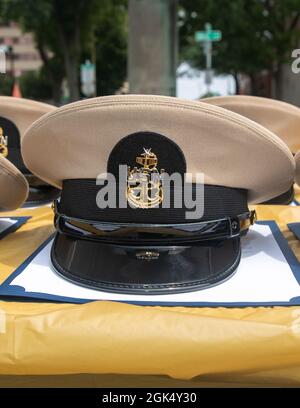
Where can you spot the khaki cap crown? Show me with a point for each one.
(76, 140)
(281, 118)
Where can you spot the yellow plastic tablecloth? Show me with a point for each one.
(138, 345)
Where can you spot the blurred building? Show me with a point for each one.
(23, 56)
(191, 83)
(290, 85)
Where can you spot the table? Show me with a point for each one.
(114, 344)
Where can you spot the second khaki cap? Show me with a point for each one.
(16, 115)
(281, 118)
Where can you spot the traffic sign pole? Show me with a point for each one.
(208, 48)
(207, 37)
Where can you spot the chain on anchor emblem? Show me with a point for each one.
(144, 184)
(3, 143)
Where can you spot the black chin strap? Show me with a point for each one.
(154, 234)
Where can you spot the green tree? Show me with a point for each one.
(75, 21)
(6, 85)
(64, 30)
(35, 17)
(111, 48)
(257, 35)
(35, 85)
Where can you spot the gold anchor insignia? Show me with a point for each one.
(3, 143)
(144, 187)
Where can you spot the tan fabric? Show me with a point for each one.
(22, 112)
(75, 142)
(13, 186)
(297, 160)
(281, 118)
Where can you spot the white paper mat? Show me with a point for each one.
(6, 223)
(263, 276)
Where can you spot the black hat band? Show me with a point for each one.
(78, 200)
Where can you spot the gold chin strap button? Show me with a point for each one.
(245, 224)
(54, 205)
(253, 217)
(3, 143)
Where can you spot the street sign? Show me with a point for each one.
(88, 78)
(3, 51)
(210, 35)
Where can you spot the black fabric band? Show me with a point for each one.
(78, 199)
(283, 199)
(14, 156)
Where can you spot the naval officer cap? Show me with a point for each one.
(16, 115)
(153, 243)
(281, 118)
(13, 186)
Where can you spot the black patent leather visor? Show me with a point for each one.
(144, 270)
(148, 259)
